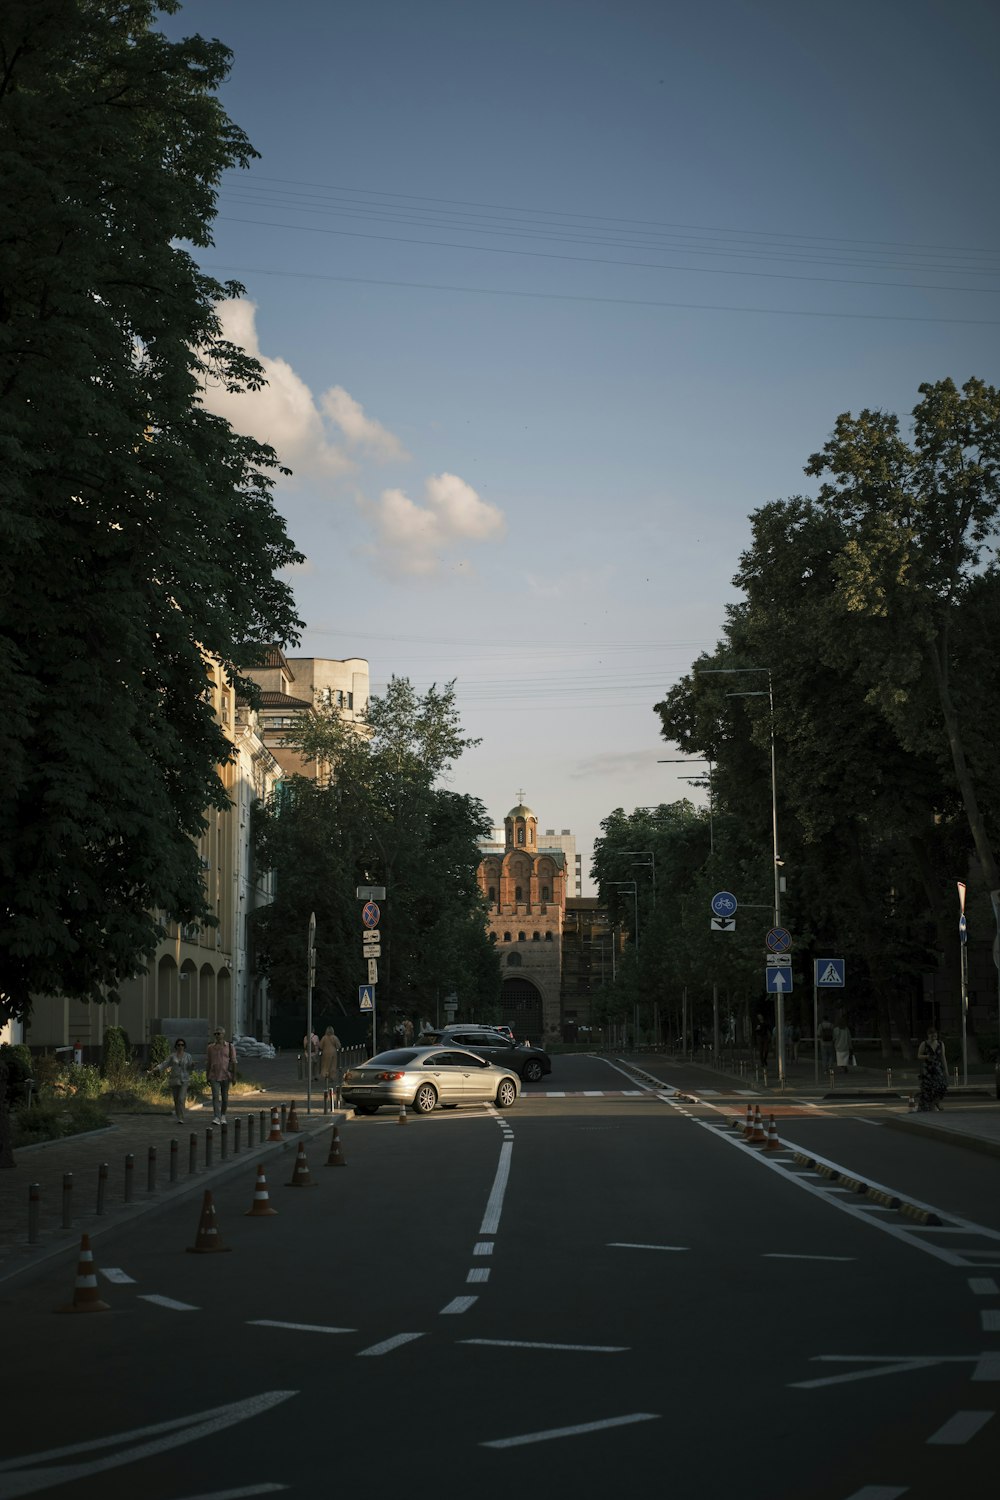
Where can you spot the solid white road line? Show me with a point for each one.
(879, 1492)
(478, 1273)
(168, 1302)
(387, 1345)
(243, 1493)
(782, 1255)
(961, 1427)
(114, 1273)
(494, 1206)
(296, 1327)
(625, 1245)
(458, 1305)
(534, 1344)
(982, 1286)
(558, 1432)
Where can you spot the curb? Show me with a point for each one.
(937, 1133)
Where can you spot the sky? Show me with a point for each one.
(553, 294)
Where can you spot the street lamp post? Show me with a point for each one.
(779, 1004)
(686, 761)
(635, 903)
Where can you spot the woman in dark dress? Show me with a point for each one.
(933, 1072)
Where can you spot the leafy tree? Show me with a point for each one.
(137, 531)
(380, 817)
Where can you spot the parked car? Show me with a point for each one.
(421, 1078)
(529, 1063)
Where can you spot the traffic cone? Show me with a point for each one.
(261, 1207)
(759, 1137)
(208, 1239)
(300, 1177)
(748, 1127)
(292, 1126)
(772, 1144)
(276, 1134)
(85, 1298)
(335, 1159)
(401, 1117)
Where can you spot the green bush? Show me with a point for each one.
(117, 1055)
(159, 1048)
(85, 1081)
(18, 1062)
(53, 1119)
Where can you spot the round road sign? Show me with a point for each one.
(724, 904)
(779, 940)
(370, 914)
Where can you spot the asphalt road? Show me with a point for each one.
(603, 1290)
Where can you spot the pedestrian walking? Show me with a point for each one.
(826, 1044)
(761, 1039)
(933, 1082)
(220, 1068)
(329, 1058)
(310, 1051)
(180, 1063)
(842, 1045)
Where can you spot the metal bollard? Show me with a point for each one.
(193, 1153)
(173, 1160)
(237, 1126)
(208, 1149)
(151, 1170)
(224, 1138)
(284, 1117)
(263, 1124)
(250, 1132)
(67, 1200)
(102, 1186)
(888, 1078)
(34, 1209)
(129, 1168)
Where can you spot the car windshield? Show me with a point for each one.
(397, 1059)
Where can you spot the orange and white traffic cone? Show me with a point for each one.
(261, 1206)
(85, 1298)
(335, 1159)
(292, 1126)
(300, 1177)
(276, 1134)
(759, 1137)
(208, 1240)
(772, 1144)
(401, 1117)
(748, 1127)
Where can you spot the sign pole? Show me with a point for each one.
(311, 980)
(815, 1023)
(964, 969)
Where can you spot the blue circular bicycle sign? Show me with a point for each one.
(724, 903)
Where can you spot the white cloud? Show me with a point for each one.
(285, 413)
(418, 539)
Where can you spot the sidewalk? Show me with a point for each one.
(971, 1115)
(48, 1163)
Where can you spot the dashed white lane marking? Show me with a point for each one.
(783, 1255)
(491, 1218)
(534, 1344)
(168, 1302)
(987, 1367)
(982, 1286)
(879, 1492)
(625, 1245)
(484, 1247)
(387, 1345)
(478, 1273)
(297, 1327)
(116, 1274)
(991, 1320)
(458, 1305)
(961, 1427)
(577, 1431)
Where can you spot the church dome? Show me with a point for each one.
(520, 811)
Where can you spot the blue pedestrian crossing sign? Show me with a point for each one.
(779, 981)
(366, 996)
(829, 973)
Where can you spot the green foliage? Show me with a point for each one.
(138, 531)
(18, 1062)
(117, 1058)
(159, 1049)
(85, 1081)
(53, 1119)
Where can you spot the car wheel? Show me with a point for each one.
(425, 1099)
(365, 1109)
(532, 1071)
(506, 1093)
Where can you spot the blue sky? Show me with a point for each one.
(553, 293)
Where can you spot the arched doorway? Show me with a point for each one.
(521, 1009)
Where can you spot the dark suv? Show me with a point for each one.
(530, 1063)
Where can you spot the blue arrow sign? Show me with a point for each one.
(779, 981)
(963, 929)
(724, 904)
(828, 973)
(366, 996)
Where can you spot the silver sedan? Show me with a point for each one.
(421, 1078)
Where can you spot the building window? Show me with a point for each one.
(513, 960)
(493, 937)
(545, 893)
(493, 893)
(521, 937)
(548, 937)
(520, 835)
(506, 937)
(536, 937)
(517, 893)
